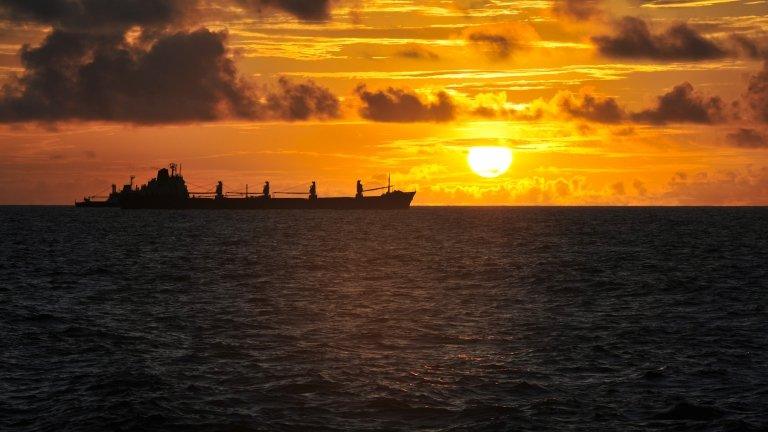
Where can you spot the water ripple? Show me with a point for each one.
(435, 319)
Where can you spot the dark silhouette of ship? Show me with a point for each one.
(169, 191)
(112, 200)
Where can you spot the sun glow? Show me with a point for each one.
(489, 162)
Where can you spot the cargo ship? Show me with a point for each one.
(169, 191)
(112, 200)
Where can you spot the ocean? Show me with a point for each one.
(431, 319)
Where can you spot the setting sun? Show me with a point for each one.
(392, 214)
(489, 162)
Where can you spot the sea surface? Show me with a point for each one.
(432, 319)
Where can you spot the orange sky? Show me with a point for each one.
(595, 112)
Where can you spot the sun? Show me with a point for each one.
(489, 162)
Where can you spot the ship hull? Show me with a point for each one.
(392, 201)
(97, 204)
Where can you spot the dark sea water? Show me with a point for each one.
(438, 319)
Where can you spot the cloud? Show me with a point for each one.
(119, 14)
(590, 107)
(500, 41)
(525, 190)
(750, 47)
(565, 105)
(88, 69)
(757, 94)
(640, 188)
(633, 39)
(618, 189)
(580, 10)
(307, 10)
(180, 77)
(494, 45)
(301, 101)
(748, 138)
(683, 105)
(417, 52)
(401, 106)
(90, 14)
(740, 187)
(679, 105)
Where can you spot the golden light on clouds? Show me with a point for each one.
(440, 93)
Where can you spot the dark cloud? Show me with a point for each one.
(90, 14)
(683, 105)
(757, 94)
(417, 52)
(633, 39)
(564, 105)
(86, 69)
(751, 47)
(592, 108)
(580, 10)
(397, 105)
(680, 105)
(495, 45)
(181, 77)
(499, 41)
(748, 138)
(301, 101)
(308, 10)
(119, 14)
